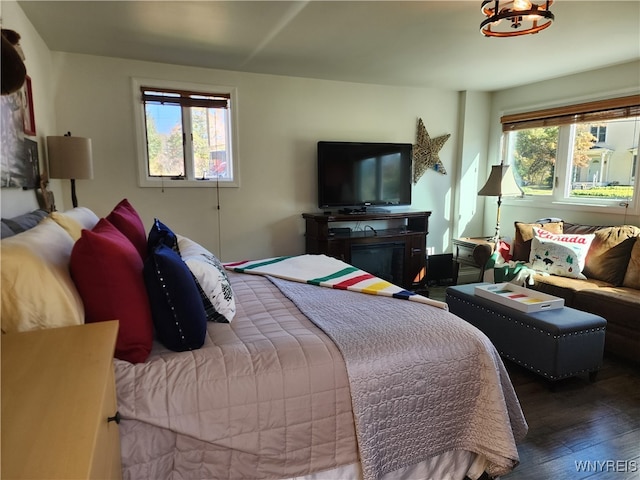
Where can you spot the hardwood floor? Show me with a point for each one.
(578, 429)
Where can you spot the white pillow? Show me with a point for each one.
(212, 277)
(37, 290)
(75, 220)
(559, 254)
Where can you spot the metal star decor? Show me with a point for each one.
(425, 153)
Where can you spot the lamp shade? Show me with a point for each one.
(501, 183)
(70, 157)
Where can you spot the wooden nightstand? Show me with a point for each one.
(58, 392)
(471, 251)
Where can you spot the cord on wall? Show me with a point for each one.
(219, 220)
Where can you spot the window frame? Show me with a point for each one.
(144, 179)
(565, 117)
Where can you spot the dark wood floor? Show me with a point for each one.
(578, 421)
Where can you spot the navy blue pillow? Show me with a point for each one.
(176, 308)
(160, 233)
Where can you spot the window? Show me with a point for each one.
(186, 134)
(599, 132)
(582, 154)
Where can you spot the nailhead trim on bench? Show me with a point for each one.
(539, 330)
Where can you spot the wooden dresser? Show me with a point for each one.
(58, 393)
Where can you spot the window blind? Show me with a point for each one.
(598, 111)
(184, 98)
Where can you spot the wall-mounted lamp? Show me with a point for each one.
(70, 157)
(501, 183)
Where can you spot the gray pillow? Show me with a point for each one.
(24, 222)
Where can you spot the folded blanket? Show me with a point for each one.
(498, 270)
(328, 272)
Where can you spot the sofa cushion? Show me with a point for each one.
(632, 275)
(107, 270)
(578, 229)
(126, 219)
(524, 235)
(564, 287)
(559, 254)
(178, 313)
(609, 253)
(617, 303)
(37, 289)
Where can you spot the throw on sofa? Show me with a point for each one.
(610, 280)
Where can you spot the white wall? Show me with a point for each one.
(470, 172)
(614, 81)
(280, 121)
(39, 65)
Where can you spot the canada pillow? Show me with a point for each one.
(559, 254)
(209, 273)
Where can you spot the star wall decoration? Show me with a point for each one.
(425, 153)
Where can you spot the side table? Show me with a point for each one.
(473, 252)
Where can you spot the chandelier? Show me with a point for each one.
(511, 18)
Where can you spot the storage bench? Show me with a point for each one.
(556, 344)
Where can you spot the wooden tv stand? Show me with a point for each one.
(409, 233)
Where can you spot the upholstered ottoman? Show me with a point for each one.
(556, 343)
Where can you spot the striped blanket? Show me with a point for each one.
(328, 272)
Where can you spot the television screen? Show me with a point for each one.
(352, 174)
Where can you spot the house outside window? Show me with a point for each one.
(583, 154)
(186, 134)
(599, 132)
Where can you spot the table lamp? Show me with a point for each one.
(70, 157)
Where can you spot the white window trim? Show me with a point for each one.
(144, 180)
(557, 201)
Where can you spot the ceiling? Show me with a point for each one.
(414, 43)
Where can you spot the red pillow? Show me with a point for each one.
(107, 271)
(125, 218)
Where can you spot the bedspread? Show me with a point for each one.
(267, 396)
(423, 381)
(270, 395)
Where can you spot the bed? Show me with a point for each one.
(309, 382)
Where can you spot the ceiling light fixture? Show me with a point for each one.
(511, 18)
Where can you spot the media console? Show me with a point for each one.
(396, 252)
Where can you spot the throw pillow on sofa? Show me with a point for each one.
(524, 235)
(559, 254)
(107, 270)
(632, 275)
(176, 308)
(609, 253)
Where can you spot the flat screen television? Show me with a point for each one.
(360, 174)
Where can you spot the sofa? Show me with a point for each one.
(606, 282)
